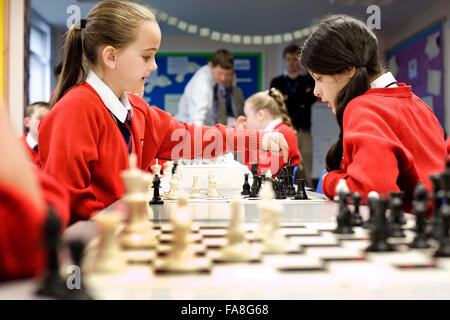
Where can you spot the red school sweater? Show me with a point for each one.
(81, 145)
(391, 140)
(33, 154)
(268, 161)
(22, 251)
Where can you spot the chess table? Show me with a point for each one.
(318, 265)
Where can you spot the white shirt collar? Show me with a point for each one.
(31, 142)
(272, 124)
(118, 108)
(383, 81)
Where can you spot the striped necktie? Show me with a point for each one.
(125, 129)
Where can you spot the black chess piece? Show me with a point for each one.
(356, 216)
(432, 229)
(399, 195)
(301, 191)
(254, 190)
(174, 168)
(372, 204)
(156, 197)
(444, 238)
(344, 217)
(279, 193)
(379, 232)
(245, 186)
(290, 189)
(53, 285)
(396, 218)
(420, 240)
(76, 251)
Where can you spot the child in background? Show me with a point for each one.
(33, 115)
(389, 139)
(25, 193)
(94, 123)
(267, 111)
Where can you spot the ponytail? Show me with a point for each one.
(72, 71)
(279, 99)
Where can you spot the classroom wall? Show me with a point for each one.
(271, 54)
(16, 64)
(418, 24)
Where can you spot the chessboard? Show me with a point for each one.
(233, 247)
(316, 264)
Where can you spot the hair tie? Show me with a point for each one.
(83, 23)
(272, 92)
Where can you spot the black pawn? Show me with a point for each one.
(53, 285)
(399, 195)
(420, 240)
(379, 232)
(433, 228)
(290, 190)
(372, 204)
(245, 186)
(444, 238)
(76, 252)
(396, 218)
(156, 197)
(344, 217)
(356, 217)
(301, 191)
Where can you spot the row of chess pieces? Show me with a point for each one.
(171, 172)
(282, 185)
(428, 234)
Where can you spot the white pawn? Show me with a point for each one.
(195, 193)
(212, 182)
(174, 192)
(168, 169)
(267, 196)
(341, 187)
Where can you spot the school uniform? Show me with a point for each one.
(447, 143)
(32, 148)
(82, 145)
(391, 140)
(22, 239)
(265, 160)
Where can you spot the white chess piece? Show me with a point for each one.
(195, 193)
(269, 174)
(156, 168)
(341, 187)
(212, 182)
(174, 192)
(138, 233)
(237, 248)
(168, 169)
(106, 257)
(267, 196)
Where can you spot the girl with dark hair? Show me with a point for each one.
(389, 139)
